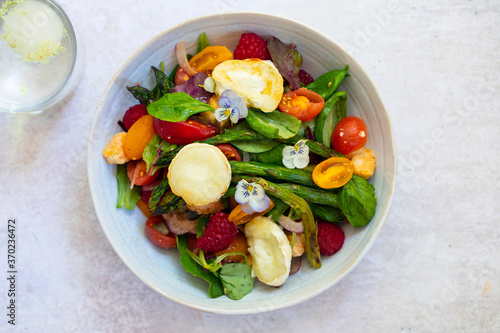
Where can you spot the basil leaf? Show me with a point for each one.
(273, 156)
(255, 146)
(287, 60)
(237, 280)
(327, 84)
(126, 197)
(200, 225)
(357, 201)
(215, 289)
(177, 106)
(327, 213)
(335, 109)
(202, 42)
(274, 125)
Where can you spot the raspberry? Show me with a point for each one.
(133, 114)
(251, 46)
(218, 235)
(330, 238)
(305, 77)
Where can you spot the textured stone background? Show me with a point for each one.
(435, 266)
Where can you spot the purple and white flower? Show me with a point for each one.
(231, 105)
(252, 197)
(296, 156)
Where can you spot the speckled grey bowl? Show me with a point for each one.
(161, 269)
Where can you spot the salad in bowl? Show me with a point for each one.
(243, 163)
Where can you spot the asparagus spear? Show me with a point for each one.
(314, 195)
(271, 170)
(279, 209)
(142, 94)
(158, 192)
(243, 135)
(301, 207)
(169, 203)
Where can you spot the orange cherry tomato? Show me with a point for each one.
(303, 104)
(209, 57)
(333, 172)
(349, 135)
(239, 244)
(158, 234)
(138, 136)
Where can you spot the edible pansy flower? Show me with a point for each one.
(296, 156)
(231, 105)
(252, 197)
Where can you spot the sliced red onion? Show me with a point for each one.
(152, 185)
(180, 55)
(179, 224)
(291, 225)
(296, 262)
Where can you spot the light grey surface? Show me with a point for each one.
(435, 266)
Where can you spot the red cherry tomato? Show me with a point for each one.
(158, 234)
(138, 173)
(180, 76)
(183, 132)
(303, 104)
(349, 135)
(230, 152)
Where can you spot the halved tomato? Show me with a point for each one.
(303, 104)
(158, 234)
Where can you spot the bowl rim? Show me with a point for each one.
(391, 181)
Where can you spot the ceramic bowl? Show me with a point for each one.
(160, 269)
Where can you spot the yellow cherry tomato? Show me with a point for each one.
(333, 172)
(138, 136)
(209, 57)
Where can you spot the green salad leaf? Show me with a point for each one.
(335, 109)
(237, 280)
(327, 84)
(327, 213)
(357, 201)
(127, 197)
(177, 106)
(215, 289)
(273, 156)
(287, 60)
(274, 125)
(151, 150)
(259, 146)
(200, 225)
(202, 42)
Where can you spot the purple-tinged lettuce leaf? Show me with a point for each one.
(193, 89)
(287, 60)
